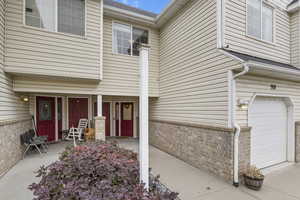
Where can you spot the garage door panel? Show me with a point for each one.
(268, 119)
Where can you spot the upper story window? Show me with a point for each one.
(260, 20)
(126, 39)
(66, 16)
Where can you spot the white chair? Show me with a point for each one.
(78, 132)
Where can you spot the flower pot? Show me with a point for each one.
(253, 183)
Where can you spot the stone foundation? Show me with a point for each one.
(10, 145)
(204, 147)
(297, 141)
(244, 149)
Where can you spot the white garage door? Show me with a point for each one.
(268, 119)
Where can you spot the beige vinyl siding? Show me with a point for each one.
(121, 72)
(39, 52)
(10, 105)
(235, 33)
(193, 73)
(46, 85)
(248, 86)
(295, 39)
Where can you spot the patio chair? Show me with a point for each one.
(43, 139)
(36, 135)
(28, 139)
(78, 132)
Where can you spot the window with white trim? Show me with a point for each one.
(126, 39)
(260, 20)
(66, 16)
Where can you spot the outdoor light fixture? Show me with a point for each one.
(25, 98)
(243, 104)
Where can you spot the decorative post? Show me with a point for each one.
(99, 121)
(144, 115)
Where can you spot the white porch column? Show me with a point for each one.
(144, 116)
(99, 121)
(99, 105)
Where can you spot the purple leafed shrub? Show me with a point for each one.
(95, 171)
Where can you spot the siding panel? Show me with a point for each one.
(235, 33)
(295, 39)
(193, 73)
(10, 105)
(39, 52)
(121, 72)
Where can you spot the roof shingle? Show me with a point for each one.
(246, 58)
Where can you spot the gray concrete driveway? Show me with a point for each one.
(190, 182)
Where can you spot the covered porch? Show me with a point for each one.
(55, 114)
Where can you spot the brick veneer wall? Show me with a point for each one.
(204, 147)
(244, 150)
(10, 146)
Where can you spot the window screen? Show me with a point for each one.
(40, 14)
(139, 36)
(71, 16)
(121, 39)
(254, 19)
(267, 23)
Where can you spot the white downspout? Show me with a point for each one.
(232, 123)
(236, 126)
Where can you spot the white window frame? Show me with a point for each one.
(131, 35)
(56, 20)
(263, 2)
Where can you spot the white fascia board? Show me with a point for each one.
(292, 74)
(294, 7)
(109, 10)
(169, 11)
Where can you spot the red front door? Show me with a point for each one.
(45, 110)
(127, 119)
(106, 114)
(78, 109)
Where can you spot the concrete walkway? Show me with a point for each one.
(191, 183)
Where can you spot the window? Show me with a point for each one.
(41, 14)
(71, 16)
(139, 36)
(121, 39)
(126, 39)
(260, 20)
(66, 16)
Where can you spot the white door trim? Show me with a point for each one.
(134, 117)
(290, 122)
(110, 116)
(56, 111)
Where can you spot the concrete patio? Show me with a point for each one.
(191, 183)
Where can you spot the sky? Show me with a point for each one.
(155, 6)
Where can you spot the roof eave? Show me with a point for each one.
(262, 69)
(131, 16)
(294, 7)
(274, 71)
(173, 7)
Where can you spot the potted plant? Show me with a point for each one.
(253, 178)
